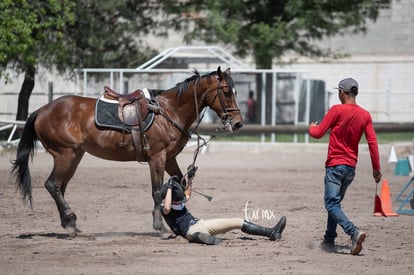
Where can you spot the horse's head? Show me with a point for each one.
(222, 98)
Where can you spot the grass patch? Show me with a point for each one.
(383, 138)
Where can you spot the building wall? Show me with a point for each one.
(386, 88)
(382, 61)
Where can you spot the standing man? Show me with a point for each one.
(251, 108)
(347, 122)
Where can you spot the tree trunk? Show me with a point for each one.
(25, 92)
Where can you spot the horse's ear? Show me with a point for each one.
(220, 73)
(227, 71)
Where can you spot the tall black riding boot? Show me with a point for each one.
(273, 233)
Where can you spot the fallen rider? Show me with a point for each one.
(181, 222)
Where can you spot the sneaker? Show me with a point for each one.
(357, 239)
(328, 246)
(205, 238)
(276, 233)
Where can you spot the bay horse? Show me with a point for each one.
(67, 129)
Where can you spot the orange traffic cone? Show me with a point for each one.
(383, 202)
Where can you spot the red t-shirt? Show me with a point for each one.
(347, 123)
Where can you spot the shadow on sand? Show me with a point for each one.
(92, 236)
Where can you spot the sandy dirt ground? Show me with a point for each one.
(113, 204)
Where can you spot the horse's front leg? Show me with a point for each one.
(157, 169)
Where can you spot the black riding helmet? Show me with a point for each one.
(177, 189)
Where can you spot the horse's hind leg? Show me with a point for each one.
(65, 165)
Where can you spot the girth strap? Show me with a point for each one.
(139, 138)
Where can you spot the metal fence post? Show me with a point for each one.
(50, 85)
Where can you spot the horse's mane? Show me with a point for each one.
(181, 87)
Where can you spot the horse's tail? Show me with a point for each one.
(25, 150)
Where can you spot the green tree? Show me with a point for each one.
(65, 34)
(31, 32)
(111, 33)
(268, 29)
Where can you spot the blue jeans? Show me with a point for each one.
(337, 180)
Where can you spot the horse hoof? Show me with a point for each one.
(157, 226)
(157, 220)
(71, 231)
(69, 223)
(163, 229)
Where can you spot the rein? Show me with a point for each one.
(185, 133)
(191, 169)
(200, 140)
(190, 174)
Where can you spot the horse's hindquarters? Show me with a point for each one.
(67, 127)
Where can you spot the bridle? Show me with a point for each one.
(225, 112)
